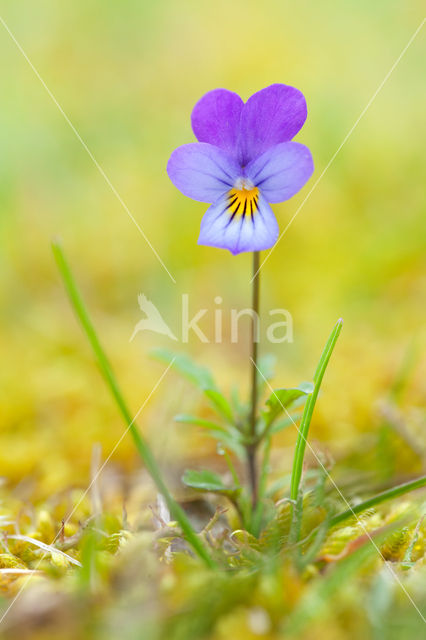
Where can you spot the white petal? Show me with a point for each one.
(240, 232)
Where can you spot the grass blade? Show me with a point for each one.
(141, 445)
(299, 453)
(394, 492)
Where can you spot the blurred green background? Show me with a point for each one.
(127, 75)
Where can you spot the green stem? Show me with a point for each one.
(258, 512)
(299, 452)
(142, 446)
(238, 499)
(231, 468)
(252, 447)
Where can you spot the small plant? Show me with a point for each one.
(244, 160)
(232, 429)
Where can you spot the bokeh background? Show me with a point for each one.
(126, 75)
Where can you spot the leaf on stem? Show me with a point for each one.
(266, 364)
(183, 364)
(229, 436)
(198, 376)
(199, 422)
(207, 481)
(281, 400)
(220, 404)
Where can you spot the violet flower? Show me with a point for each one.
(243, 161)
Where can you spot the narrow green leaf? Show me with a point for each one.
(236, 404)
(228, 436)
(229, 442)
(282, 399)
(199, 422)
(266, 364)
(309, 409)
(205, 481)
(278, 402)
(389, 494)
(183, 364)
(220, 404)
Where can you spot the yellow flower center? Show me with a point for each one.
(243, 200)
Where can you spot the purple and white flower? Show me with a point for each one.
(244, 160)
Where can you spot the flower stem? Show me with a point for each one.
(252, 448)
(141, 445)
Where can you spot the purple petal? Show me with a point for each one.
(270, 116)
(241, 233)
(281, 171)
(216, 119)
(201, 171)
